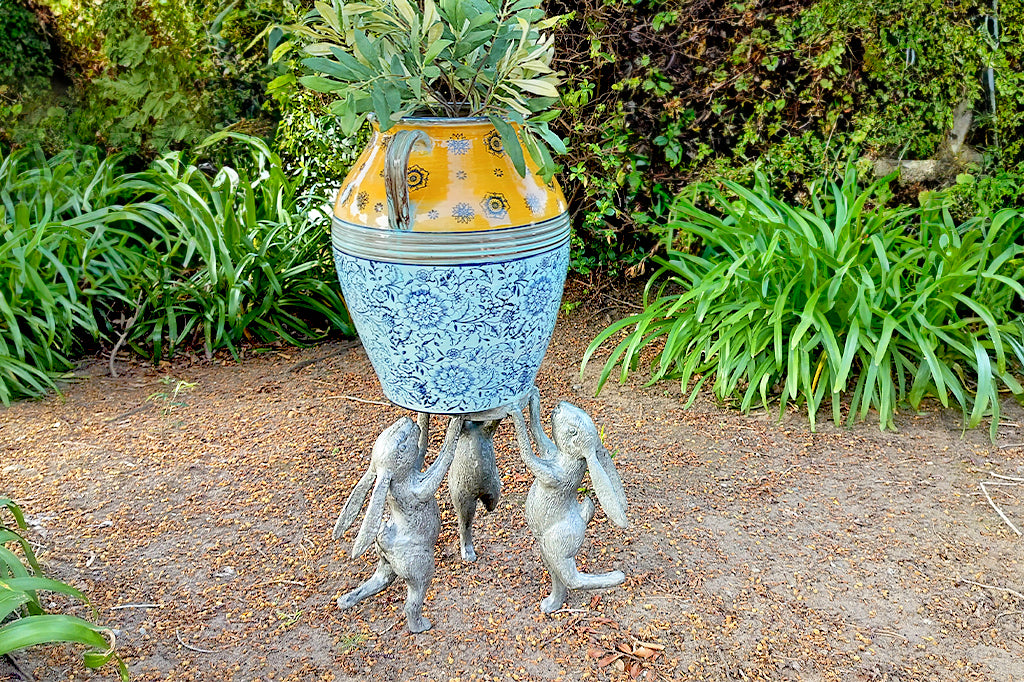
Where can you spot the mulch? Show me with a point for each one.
(194, 501)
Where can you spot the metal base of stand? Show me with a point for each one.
(405, 541)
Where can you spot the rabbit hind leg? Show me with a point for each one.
(415, 593)
(488, 492)
(465, 508)
(559, 591)
(381, 578)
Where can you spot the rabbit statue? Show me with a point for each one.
(406, 541)
(474, 476)
(554, 515)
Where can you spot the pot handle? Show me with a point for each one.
(396, 164)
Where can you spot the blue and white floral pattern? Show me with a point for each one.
(458, 144)
(463, 212)
(455, 339)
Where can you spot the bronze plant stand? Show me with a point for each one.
(405, 541)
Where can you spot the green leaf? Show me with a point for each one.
(535, 86)
(393, 97)
(331, 68)
(351, 63)
(381, 107)
(33, 583)
(48, 628)
(321, 84)
(11, 602)
(366, 49)
(888, 326)
(329, 15)
(510, 142)
(435, 49)
(556, 143)
(986, 394)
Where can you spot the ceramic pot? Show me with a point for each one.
(451, 264)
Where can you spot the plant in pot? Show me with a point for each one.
(450, 234)
(394, 59)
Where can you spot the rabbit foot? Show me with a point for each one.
(551, 603)
(381, 579)
(418, 624)
(468, 553)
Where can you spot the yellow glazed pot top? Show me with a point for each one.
(460, 181)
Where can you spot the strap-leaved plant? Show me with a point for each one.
(23, 620)
(393, 58)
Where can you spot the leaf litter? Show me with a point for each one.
(757, 550)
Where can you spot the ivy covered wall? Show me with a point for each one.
(659, 93)
(662, 93)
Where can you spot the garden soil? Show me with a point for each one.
(194, 502)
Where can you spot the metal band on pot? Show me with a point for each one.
(449, 248)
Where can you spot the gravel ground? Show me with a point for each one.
(194, 503)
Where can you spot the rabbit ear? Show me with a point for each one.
(354, 504)
(374, 515)
(607, 485)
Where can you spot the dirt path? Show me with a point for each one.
(200, 525)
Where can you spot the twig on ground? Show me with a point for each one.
(38, 547)
(890, 633)
(125, 415)
(347, 345)
(668, 595)
(634, 306)
(560, 633)
(18, 670)
(603, 310)
(279, 582)
(76, 443)
(193, 648)
(1009, 478)
(124, 335)
(393, 626)
(358, 400)
(999, 511)
(136, 606)
(1015, 593)
(1006, 614)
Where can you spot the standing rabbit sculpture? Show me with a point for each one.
(405, 542)
(554, 515)
(474, 476)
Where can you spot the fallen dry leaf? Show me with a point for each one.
(606, 621)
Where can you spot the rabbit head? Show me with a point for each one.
(394, 456)
(396, 449)
(576, 436)
(573, 431)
